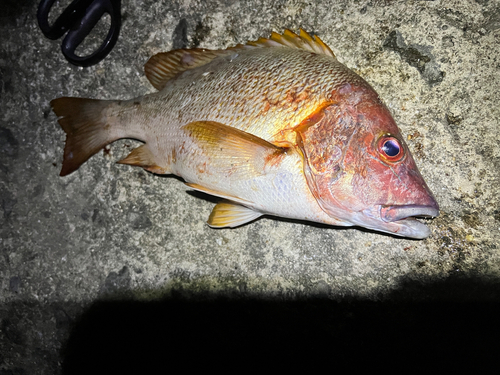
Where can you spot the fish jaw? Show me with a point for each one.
(398, 220)
(394, 209)
(391, 214)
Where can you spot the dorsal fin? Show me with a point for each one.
(290, 39)
(163, 66)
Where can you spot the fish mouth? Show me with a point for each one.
(390, 214)
(405, 217)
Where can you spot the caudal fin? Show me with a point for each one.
(86, 129)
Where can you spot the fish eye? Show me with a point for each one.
(390, 148)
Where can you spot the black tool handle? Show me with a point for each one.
(79, 18)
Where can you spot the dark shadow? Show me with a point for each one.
(432, 327)
(12, 9)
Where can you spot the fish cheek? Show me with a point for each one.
(369, 186)
(324, 145)
(367, 174)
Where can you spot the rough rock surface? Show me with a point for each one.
(112, 256)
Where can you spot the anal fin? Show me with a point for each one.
(143, 157)
(226, 214)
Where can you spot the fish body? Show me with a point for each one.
(278, 126)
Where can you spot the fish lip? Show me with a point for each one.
(391, 214)
(411, 228)
(399, 220)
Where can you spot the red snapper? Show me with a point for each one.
(277, 126)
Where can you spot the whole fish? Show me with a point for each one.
(277, 126)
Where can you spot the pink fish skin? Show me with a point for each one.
(277, 126)
(351, 173)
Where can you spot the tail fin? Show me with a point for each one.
(86, 129)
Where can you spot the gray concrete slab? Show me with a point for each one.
(112, 232)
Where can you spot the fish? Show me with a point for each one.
(276, 126)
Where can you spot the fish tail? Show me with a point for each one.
(87, 129)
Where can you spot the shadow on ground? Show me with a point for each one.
(438, 330)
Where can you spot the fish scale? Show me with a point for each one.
(243, 93)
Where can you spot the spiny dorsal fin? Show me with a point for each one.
(163, 66)
(290, 39)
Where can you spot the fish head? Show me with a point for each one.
(360, 169)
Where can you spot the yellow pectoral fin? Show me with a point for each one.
(231, 215)
(233, 152)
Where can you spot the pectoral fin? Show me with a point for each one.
(231, 215)
(233, 152)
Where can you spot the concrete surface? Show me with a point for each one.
(138, 243)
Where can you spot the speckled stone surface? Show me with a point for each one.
(125, 237)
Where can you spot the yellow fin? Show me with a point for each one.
(290, 39)
(234, 152)
(143, 157)
(231, 215)
(164, 66)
